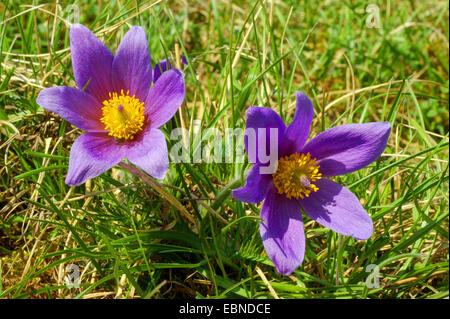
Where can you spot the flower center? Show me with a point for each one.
(123, 115)
(295, 175)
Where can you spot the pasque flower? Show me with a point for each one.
(301, 179)
(120, 102)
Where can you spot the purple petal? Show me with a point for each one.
(297, 132)
(149, 151)
(163, 66)
(73, 105)
(261, 118)
(91, 155)
(131, 68)
(348, 148)
(335, 207)
(255, 187)
(91, 62)
(282, 234)
(165, 97)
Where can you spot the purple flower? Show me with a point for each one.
(300, 180)
(116, 104)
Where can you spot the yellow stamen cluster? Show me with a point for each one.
(295, 175)
(123, 115)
